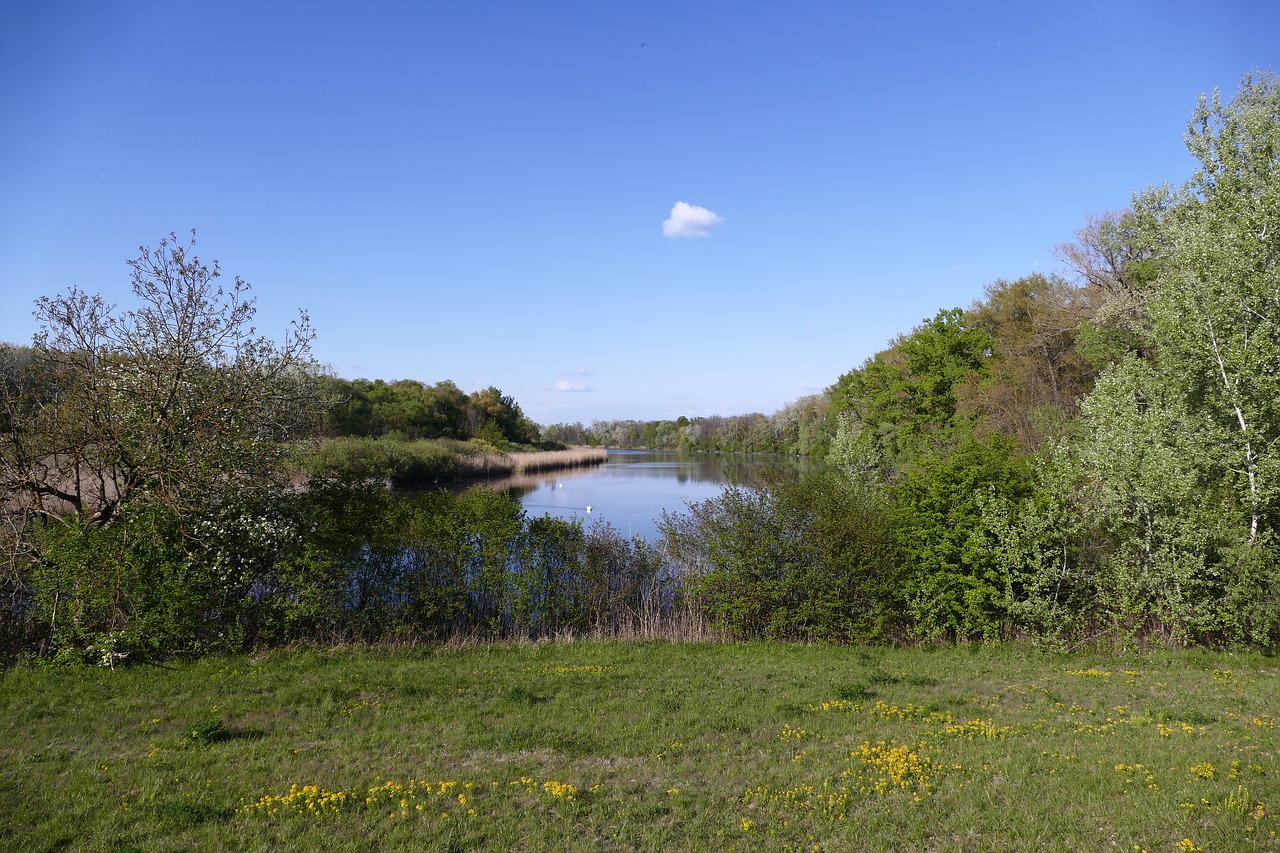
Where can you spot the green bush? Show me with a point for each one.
(810, 559)
(405, 464)
(956, 587)
(132, 589)
(423, 464)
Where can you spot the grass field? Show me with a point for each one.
(646, 746)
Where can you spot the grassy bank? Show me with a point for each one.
(612, 746)
(429, 462)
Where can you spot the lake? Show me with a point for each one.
(633, 488)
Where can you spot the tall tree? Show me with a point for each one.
(490, 413)
(902, 402)
(1175, 478)
(1035, 377)
(1216, 306)
(177, 400)
(1116, 257)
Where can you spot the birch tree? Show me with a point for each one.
(1216, 307)
(1172, 485)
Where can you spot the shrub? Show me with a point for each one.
(405, 464)
(810, 559)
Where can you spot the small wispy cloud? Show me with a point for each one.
(689, 220)
(566, 386)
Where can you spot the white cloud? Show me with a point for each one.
(567, 386)
(689, 220)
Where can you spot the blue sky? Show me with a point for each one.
(477, 191)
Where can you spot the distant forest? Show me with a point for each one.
(411, 410)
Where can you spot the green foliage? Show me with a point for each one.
(800, 428)
(414, 411)
(209, 731)
(565, 435)
(811, 559)
(497, 418)
(855, 452)
(1250, 608)
(1164, 507)
(361, 407)
(342, 561)
(547, 588)
(1215, 311)
(1138, 461)
(405, 464)
(433, 566)
(1157, 520)
(956, 589)
(797, 429)
(1038, 546)
(904, 398)
(124, 432)
(132, 589)
(1115, 255)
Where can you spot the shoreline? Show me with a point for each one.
(487, 465)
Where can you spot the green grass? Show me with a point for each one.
(631, 746)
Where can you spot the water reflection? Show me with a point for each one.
(633, 488)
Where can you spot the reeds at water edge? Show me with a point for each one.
(529, 461)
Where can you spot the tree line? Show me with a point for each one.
(1070, 460)
(408, 409)
(801, 428)
(1083, 459)
(1067, 458)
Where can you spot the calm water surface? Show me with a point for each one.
(632, 489)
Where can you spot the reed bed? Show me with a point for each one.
(524, 462)
(428, 462)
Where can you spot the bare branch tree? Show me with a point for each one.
(178, 400)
